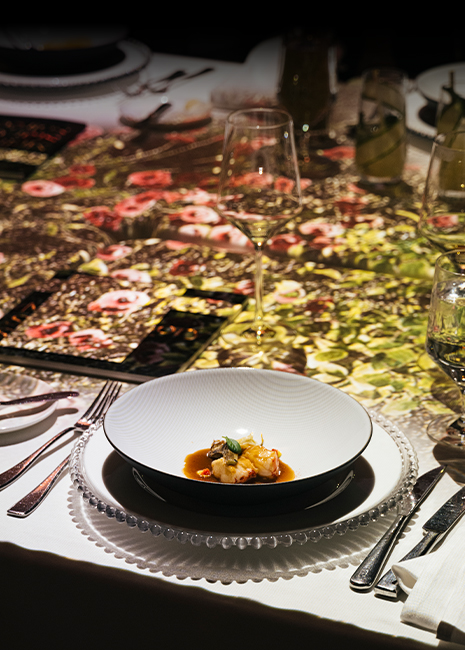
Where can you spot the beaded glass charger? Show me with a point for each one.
(113, 510)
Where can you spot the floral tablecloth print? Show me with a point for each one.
(138, 216)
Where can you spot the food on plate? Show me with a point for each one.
(237, 461)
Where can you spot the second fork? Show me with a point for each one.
(33, 499)
(96, 410)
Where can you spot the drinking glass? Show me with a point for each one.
(445, 342)
(442, 215)
(259, 191)
(381, 136)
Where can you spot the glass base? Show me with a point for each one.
(380, 180)
(258, 345)
(447, 429)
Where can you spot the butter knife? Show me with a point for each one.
(368, 571)
(435, 529)
(45, 397)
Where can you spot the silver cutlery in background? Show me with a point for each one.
(93, 413)
(46, 397)
(435, 529)
(33, 499)
(162, 85)
(368, 571)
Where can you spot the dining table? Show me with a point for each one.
(128, 210)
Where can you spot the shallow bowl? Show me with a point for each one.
(319, 430)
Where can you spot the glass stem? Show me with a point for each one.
(258, 319)
(461, 421)
(456, 429)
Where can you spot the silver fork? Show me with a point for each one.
(108, 393)
(30, 501)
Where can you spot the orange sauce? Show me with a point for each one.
(199, 461)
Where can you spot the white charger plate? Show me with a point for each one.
(115, 509)
(12, 386)
(136, 57)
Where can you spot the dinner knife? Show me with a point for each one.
(435, 529)
(45, 397)
(368, 571)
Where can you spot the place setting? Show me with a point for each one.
(117, 496)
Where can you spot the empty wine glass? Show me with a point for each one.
(259, 191)
(445, 341)
(442, 215)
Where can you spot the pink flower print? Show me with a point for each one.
(321, 228)
(132, 275)
(174, 244)
(121, 302)
(255, 179)
(199, 197)
(195, 230)
(135, 205)
(89, 339)
(52, 330)
(444, 221)
(198, 214)
(339, 153)
(42, 188)
(285, 241)
(351, 205)
(114, 252)
(228, 233)
(283, 184)
(151, 178)
(183, 267)
(102, 217)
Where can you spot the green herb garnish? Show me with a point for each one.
(233, 445)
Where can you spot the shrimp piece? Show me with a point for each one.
(239, 472)
(265, 461)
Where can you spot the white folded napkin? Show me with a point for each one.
(435, 585)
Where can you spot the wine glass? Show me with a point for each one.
(445, 342)
(259, 191)
(442, 215)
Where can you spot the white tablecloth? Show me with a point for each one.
(322, 592)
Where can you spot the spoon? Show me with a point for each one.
(46, 397)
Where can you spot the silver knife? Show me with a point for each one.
(368, 571)
(45, 397)
(435, 529)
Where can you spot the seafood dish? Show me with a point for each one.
(237, 461)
